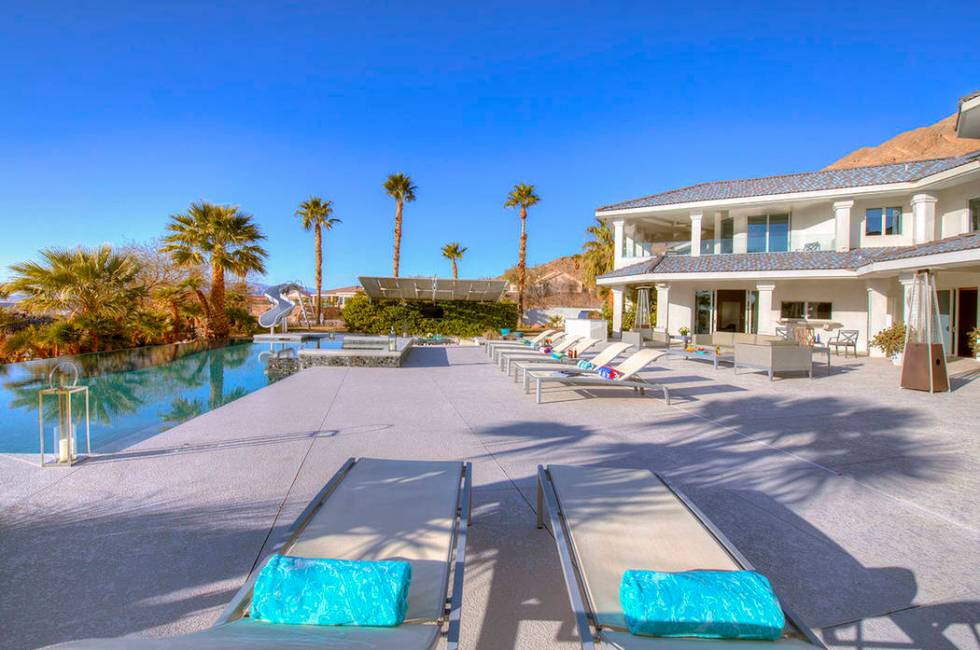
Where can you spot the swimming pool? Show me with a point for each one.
(135, 394)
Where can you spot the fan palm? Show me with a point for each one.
(88, 286)
(522, 197)
(315, 214)
(453, 252)
(598, 254)
(400, 188)
(225, 239)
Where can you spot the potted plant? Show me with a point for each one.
(974, 338)
(685, 335)
(891, 341)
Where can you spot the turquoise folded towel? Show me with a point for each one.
(321, 591)
(585, 365)
(706, 604)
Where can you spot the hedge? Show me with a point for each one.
(460, 317)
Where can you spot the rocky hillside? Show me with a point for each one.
(936, 141)
(558, 283)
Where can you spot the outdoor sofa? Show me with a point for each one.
(607, 520)
(764, 352)
(641, 337)
(371, 509)
(774, 357)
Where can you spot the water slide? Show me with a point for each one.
(282, 306)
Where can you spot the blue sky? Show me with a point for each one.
(115, 115)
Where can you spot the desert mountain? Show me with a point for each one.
(936, 141)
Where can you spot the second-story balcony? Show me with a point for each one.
(796, 242)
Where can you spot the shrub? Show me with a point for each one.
(459, 317)
(890, 340)
(974, 337)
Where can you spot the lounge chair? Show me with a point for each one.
(606, 356)
(628, 369)
(573, 351)
(505, 357)
(371, 509)
(510, 343)
(554, 339)
(607, 520)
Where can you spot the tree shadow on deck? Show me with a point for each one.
(754, 465)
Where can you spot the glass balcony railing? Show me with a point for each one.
(804, 242)
(798, 242)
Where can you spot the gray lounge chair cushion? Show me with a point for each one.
(247, 634)
(383, 509)
(622, 519)
(628, 519)
(392, 510)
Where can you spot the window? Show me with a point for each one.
(883, 221)
(806, 309)
(768, 233)
(818, 310)
(974, 215)
(792, 309)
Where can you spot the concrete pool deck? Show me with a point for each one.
(858, 499)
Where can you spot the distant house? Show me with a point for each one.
(339, 297)
(558, 283)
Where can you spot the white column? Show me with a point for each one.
(663, 306)
(842, 224)
(617, 310)
(618, 235)
(740, 239)
(717, 246)
(696, 233)
(923, 218)
(877, 313)
(905, 279)
(767, 322)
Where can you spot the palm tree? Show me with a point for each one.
(225, 239)
(598, 254)
(316, 215)
(91, 287)
(523, 197)
(176, 297)
(452, 252)
(400, 188)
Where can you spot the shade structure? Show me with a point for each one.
(433, 289)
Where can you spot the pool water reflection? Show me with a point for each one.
(135, 394)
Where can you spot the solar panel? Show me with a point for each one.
(433, 289)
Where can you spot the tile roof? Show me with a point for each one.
(793, 261)
(825, 179)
